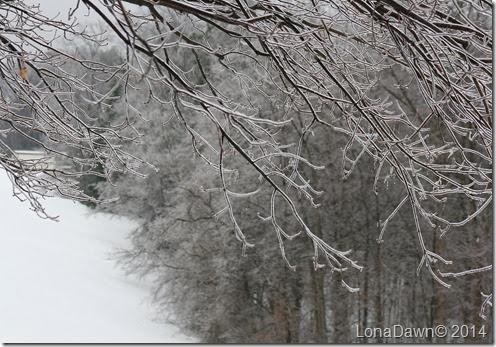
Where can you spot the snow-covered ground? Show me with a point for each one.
(57, 283)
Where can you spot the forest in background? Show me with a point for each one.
(225, 291)
(225, 297)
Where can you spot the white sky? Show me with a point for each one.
(51, 8)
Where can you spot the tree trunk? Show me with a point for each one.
(340, 314)
(319, 304)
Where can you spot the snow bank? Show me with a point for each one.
(58, 284)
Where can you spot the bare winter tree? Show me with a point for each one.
(318, 62)
(42, 102)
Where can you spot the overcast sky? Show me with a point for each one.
(52, 8)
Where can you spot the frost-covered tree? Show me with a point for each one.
(324, 60)
(43, 100)
(318, 64)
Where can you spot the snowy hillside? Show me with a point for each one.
(57, 283)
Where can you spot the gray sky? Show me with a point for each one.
(59, 10)
(52, 8)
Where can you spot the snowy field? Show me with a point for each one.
(58, 284)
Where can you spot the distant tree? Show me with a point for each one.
(320, 61)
